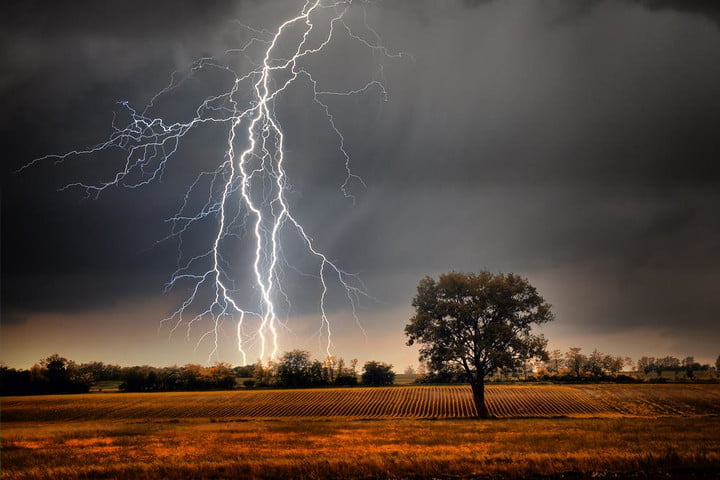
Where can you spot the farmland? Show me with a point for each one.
(503, 401)
(394, 432)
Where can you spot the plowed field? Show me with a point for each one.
(389, 402)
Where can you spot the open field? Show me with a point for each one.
(345, 448)
(395, 432)
(607, 400)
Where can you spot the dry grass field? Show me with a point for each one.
(396, 432)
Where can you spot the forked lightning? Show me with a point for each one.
(245, 196)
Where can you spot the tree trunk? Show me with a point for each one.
(478, 390)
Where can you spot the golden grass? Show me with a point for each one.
(385, 433)
(345, 448)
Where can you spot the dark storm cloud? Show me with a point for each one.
(563, 146)
(115, 18)
(574, 142)
(63, 70)
(569, 94)
(709, 8)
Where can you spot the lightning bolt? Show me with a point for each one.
(246, 195)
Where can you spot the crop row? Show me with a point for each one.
(392, 402)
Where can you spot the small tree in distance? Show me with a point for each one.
(479, 323)
(377, 373)
(576, 361)
(294, 369)
(595, 363)
(555, 361)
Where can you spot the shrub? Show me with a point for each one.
(346, 379)
(377, 373)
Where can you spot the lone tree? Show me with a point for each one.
(479, 322)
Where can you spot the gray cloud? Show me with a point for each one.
(707, 8)
(574, 142)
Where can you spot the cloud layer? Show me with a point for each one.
(573, 142)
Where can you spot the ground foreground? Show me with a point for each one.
(118, 442)
(392, 448)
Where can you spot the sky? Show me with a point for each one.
(573, 142)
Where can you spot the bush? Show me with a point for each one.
(244, 371)
(447, 374)
(377, 373)
(294, 369)
(346, 379)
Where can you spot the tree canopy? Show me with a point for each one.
(377, 373)
(479, 322)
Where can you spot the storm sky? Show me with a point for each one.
(573, 142)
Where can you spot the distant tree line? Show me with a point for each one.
(574, 365)
(187, 377)
(297, 369)
(56, 374)
(688, 367)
